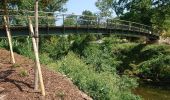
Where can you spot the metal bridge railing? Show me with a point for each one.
(51, 19)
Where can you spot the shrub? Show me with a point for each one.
(156, 68)
(100, 57)
(100, 86)
(58, 47)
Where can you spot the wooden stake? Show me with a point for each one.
(9, 40)
(37, 58)
(37, 43)
(36, 23)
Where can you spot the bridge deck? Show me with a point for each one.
(79, 25)
(58, 30)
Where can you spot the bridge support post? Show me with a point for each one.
(37, 58)
(9, 39)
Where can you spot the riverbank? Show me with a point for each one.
(16, 81)
(152, 93)
(104, 70)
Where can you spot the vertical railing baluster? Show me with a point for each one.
(87, 21)
(76, 24)
(129, 25)
(47, 19)
(63, 24)
(107, 26)
(47, 24)
(98, 22)
(26, 13)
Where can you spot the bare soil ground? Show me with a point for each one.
(17, 81)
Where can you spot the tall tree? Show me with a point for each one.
(53, 5)
(70, 20)
(44, 5)
(149, 12)
(87, 18)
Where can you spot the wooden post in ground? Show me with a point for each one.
(37, 58)
(37, 42)
(9, 39)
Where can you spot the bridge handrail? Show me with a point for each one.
(64, 14)
(80, 16)
(94, 20)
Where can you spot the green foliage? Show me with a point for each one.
(102, 70)
(19, 16)
(53, 5)
(20, 45)
(104, 85)
(15, 66)
(167, 27)
(101, 58)
(45, 5)
(59, 46)
(3, 43)
(45, 59)
(155, 63)
(93, 69)
(80, 42)
(146, 61)
(156, 68)
(61, 94)
(23, 73)
(150, 12)
(70, 20)
(87, 18)
(23, 46)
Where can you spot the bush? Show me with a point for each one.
(59, 47)
(92, 67)
(100, 86)
(156, 68)
(100, 57)
(4, 43)
(21, 45)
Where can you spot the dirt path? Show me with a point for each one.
(16, 82)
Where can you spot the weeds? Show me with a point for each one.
(15, 66)
(23, 73)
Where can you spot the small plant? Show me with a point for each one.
(60, 94)
(23, 73)
(15, 66)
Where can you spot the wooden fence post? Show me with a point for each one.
(9, 39)
(37, 58)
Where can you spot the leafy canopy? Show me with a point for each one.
(45, 5)
(149, 12)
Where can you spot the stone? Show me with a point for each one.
(1, 89)
(2, 97)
